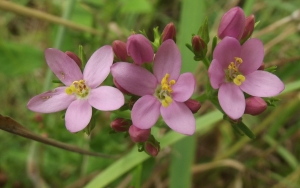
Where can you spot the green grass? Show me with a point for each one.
(269, 160)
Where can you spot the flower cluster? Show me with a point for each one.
(149, 75)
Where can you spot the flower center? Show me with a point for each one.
(78, 88)
(233, 74)
(163, 92)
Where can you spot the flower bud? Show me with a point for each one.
(169, 32)
(120, 124)
(74, 57)
(152, 147)
(199, 46)
(249, 27)
(262, 67)
(232, 23)
(139, 135)
(120, 87)
(193, 105)
(119, 48)
(255, 106)
(140, 49)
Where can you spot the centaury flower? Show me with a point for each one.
(234, 70)
(163, 92)
(81, 92)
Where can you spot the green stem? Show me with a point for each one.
(58, 41)
(206, 62)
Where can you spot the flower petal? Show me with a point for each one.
(106, 98)
(179, 118)
(98, 66)
(252, 54)
(145, 112)
(216, 74)
(226, 50)
(78, 115)
(232, 100)
(62, 66)
(184, 87)
(167, 60)
(140, 49)
(134, 79)
(262, 84)
(51, 101)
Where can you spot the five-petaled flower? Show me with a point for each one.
(234, 70)
(163, 92)
(81, 92)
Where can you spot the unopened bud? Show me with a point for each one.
(193, 105)
(262, 67)
(119, 48)
(199, 47)
(169, 32)
(74, 57)
(139, 135)
(152, 147)
(120, 87)
(140, 49)
(255, 106)
(232, 24)
(120, 124)
(249, 27)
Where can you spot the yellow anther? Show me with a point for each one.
(164, 103)
(79, 88)
(239, 79)
(238, 60)
(172, 82)
(168, 99)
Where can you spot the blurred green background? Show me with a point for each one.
(214, 157)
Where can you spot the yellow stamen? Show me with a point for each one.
(239, 79)
(79, 88)
(238, 60)
(169, 99)
(164, 103)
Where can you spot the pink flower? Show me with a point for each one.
(140, 49)
(234, 71)
(232, 23)
(81, 92)
(163, 92)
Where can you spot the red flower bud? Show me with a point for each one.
(119, 48)
(193, 105)
(169, 32)
(199, 46)
(262, 67)
(120, 124)
(152, 148)
(74, 57)
(249, 27)
(139, 135)
(255, 106)
(232, 23)
(140, 49)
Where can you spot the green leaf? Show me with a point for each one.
(203, 31)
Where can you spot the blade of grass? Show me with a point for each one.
(192, 16)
